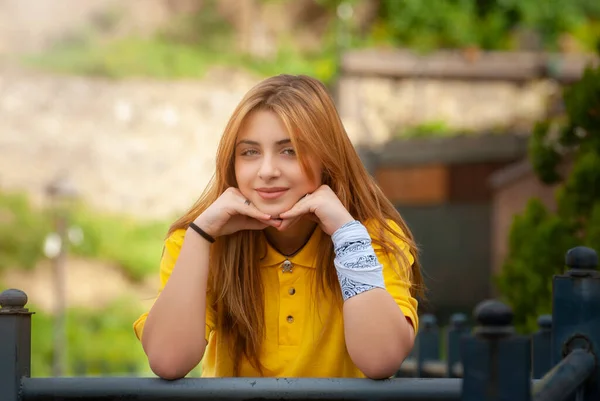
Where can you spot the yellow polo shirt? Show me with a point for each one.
(302, 340)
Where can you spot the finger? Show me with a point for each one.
(301, 207)
(274, 222)
(248, 209)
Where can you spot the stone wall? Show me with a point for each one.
(381, 93)
(141, 147)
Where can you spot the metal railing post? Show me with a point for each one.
(576, 314)
(15, 343)
(496, 361)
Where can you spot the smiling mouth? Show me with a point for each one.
(271, 193)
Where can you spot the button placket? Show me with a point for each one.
(289, 331)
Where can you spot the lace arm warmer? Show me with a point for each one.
(357, 266)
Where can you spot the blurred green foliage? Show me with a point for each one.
(184, 49)
(134, 246)
(99, 342)
(22, 232)
(487, 24)
(193, 43)
(434, 128)
(539, 238)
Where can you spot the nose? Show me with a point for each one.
(268, 168)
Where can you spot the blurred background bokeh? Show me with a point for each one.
(110, 112)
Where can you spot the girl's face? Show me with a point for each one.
(267, 169)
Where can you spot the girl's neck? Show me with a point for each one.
(292, 240)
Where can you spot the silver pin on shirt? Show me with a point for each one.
(287, 266)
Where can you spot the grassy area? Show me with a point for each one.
(162, 59)
(134, 246)
(99, 342)
(186, 48)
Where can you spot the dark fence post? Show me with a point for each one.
(458, 328)
(428, 342)
(541, 347)
(15, 343)
(496, 361)
(576, 313)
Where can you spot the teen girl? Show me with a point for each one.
(292, 263)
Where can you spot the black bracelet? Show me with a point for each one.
(204, 235)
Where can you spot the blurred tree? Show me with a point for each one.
(539, 238)
(488, 24)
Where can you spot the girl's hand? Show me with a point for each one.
(322, 206)
(232, 212)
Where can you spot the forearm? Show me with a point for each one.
(378, 336)
(174, 332)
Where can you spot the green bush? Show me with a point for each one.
(22, 232)
(99, 342)
(189, 45)
(431, 24)
(539, 238)
(134, 246)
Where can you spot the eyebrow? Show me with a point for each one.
(254, 143)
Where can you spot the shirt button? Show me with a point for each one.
(292, 291)
(287, 266)
(290, 319)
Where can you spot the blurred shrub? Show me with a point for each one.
(434, 128)
(99, 342)
(22, 232)
(488, 24)
(134, 246)
(193, 42)
(540, 238)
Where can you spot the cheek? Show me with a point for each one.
(241, 175)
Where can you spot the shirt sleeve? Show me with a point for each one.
(172, 248)
(396, 275)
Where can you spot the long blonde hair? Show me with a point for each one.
(311, 119)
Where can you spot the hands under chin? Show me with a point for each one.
(322, 206)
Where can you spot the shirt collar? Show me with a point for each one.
(306, 257)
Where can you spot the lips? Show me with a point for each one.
(271, 193)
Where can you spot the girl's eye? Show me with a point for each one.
(249, 152)
(289, 151)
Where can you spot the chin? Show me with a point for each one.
(273, 210)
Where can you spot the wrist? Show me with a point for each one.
(199, 231)
(343, 222)
(205, 226)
